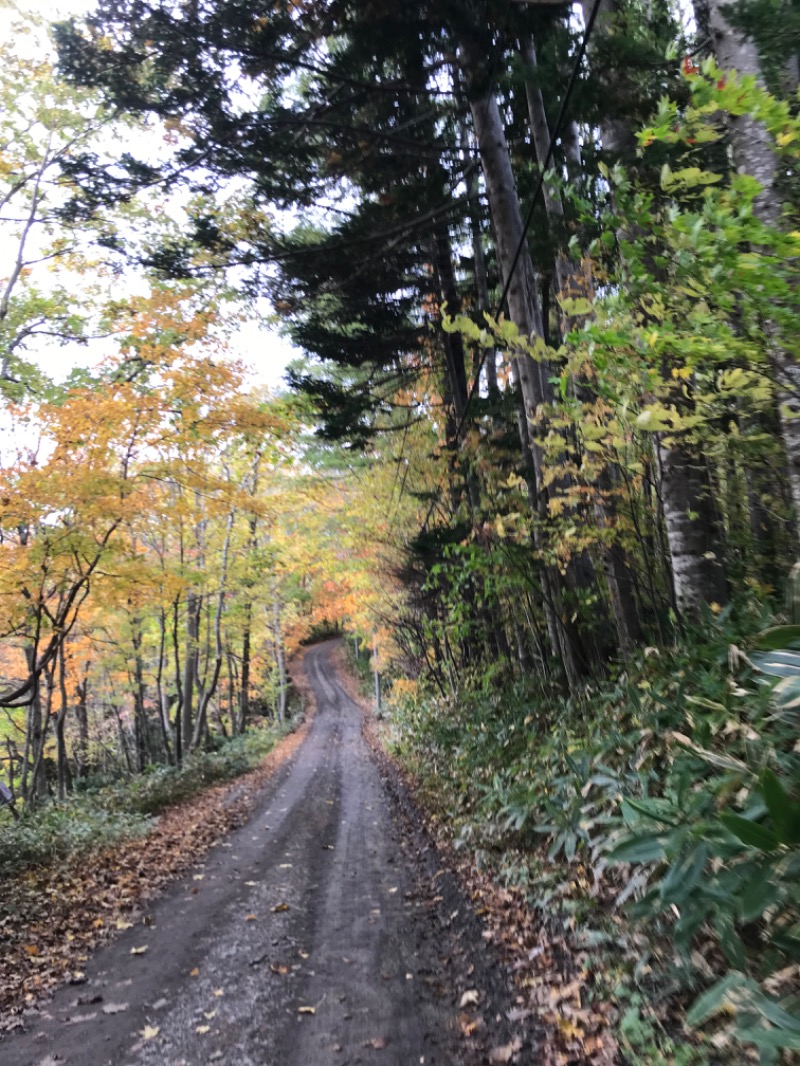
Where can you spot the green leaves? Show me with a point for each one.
(749, 832)
(686, 178)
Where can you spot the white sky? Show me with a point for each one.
(260, 347)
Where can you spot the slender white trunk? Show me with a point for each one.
(753, 154)
(692, 527)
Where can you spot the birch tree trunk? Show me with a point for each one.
(753, 155)
(692, 524)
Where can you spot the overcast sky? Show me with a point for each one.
(260, 347)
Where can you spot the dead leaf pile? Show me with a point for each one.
(52, 916)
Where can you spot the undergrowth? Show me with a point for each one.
(658, 815)
(104, 814)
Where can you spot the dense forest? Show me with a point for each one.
(538, 454)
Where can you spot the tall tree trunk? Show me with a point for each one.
(140, 728)
(480, 272)
(64, 775)
(280, 653)
(754, 155)
(34, 781)
(176, 654)
(244, 690)
(530, 377)
(219, 649)
(193, 607)
(161, 692)
(574, 283)
(82, 720)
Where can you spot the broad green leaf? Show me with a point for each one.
(683, 875)
(776, 638)
(785, 813)
(646, 847)
(753, 834)
(716, 999)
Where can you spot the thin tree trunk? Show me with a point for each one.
(193, 607)
(64, 775)
(178, 684)
(82, 719)
(161, 693)
(140, 729)
(219, 648)
(280, 654)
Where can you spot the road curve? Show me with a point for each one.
(310, 937)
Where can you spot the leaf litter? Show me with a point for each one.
(53, 915)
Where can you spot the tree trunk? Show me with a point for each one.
(219, 649)
(64, 775)
(692, 525)
(244, 690)
(140, 729)
(193, 607)
(82, 719)
(161, 693)
(34, 782)
(753, 155)
(280, 654)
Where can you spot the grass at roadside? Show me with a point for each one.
(100, 817)
(649, 826)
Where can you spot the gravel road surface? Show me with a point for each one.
(323, 932)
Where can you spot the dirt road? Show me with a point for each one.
(321, 933)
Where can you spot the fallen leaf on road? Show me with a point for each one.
(377, 1042)
(280, 907)
(202, 1029)
(306, 1010)
(139, 951)
(469, 999)
(285, 866)
(278, 969)
(150, 1032)
(468, 1025)
(120, 923)
(209, 1014)
(195, 972)
(507, 1053)
(31, 949)
(218, 992)
(198, 877)
(250, 918)
(251, 884)
(114, 1008)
